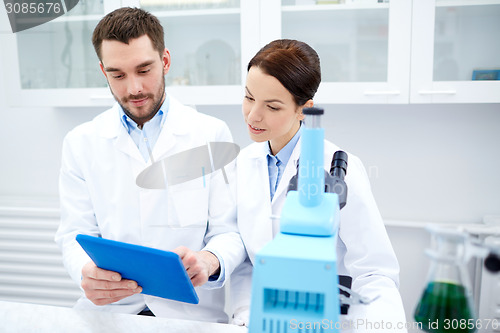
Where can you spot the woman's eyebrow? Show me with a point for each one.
(273, 100)
(267, 101)
(248, 91)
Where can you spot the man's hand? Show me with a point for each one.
(199, 265)
(105, 287)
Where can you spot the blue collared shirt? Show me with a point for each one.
(145, 138)
(276, 163)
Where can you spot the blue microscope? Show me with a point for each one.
(295, 282)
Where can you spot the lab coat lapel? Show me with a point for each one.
(112, 128)
(288, 173)
(176, 124)
(264, 222)
(254, 187)
(166, 140)
(125, 144)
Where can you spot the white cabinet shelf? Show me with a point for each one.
(200, 13)
(447, 3)
(333, 7)
(78, 18)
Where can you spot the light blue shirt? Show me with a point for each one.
(145, 138)
(276, 163)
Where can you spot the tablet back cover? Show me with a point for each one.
(159, 273)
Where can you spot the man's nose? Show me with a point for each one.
(134, 85)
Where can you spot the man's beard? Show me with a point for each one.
(154, 108)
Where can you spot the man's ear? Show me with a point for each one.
(166, 60)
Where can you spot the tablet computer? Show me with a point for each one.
(159, 273)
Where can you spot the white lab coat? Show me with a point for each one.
(364, 251)
(99, 197)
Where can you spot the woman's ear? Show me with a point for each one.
(308, 104)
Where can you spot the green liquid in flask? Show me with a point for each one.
(444, 308)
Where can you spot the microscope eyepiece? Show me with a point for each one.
(313, 111)
(339, 161)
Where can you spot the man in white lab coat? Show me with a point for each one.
(102, 158)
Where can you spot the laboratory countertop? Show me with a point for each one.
(24, 317)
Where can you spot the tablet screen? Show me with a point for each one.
(159, 273)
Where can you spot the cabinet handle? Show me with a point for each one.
(101, 96)
(381, 92)
(437, 92)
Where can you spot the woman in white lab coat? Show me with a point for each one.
(282, 80)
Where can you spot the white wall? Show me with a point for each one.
(425, 162)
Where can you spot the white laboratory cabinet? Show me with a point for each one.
(455, 51)
(55, 65)
(372, 51)
(364, 46)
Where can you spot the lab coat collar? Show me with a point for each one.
(110, 127)
(290, 171)
(177, 123)
(109, 123)
(259, 150)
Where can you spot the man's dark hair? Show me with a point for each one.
(128, 23)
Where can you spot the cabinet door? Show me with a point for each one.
(54, 64)
(205, 42)
(455, 51)
(364, 45)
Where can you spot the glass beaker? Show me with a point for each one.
(446, 303)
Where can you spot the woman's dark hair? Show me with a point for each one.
(295, 64)
(126, 23)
